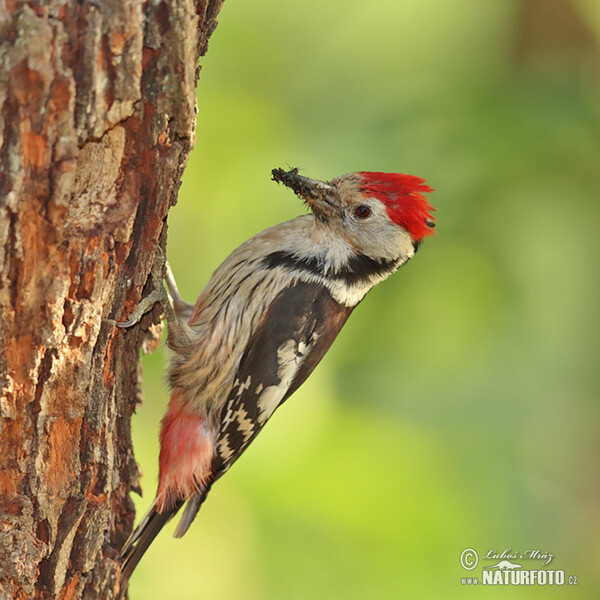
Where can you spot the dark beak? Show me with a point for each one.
(319, 195)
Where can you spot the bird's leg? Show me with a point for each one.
(175, 309)
(182, 309)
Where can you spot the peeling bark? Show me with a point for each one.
(97, 117)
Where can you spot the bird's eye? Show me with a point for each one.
(362, 212)
(430, 223)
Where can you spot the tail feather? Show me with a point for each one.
(141, 538)
(149, 527)
(189, 513)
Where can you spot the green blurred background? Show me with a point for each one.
(459, 406)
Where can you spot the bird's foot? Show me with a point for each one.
(159, 294)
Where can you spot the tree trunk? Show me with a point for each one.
(97, 116)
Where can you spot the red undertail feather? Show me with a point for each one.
(186, 447)
(404, 201)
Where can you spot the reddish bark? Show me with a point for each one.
(97, 117)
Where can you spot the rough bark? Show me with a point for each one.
(97, 116)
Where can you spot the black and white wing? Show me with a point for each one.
(293, 336)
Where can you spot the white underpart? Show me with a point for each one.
(288, 359)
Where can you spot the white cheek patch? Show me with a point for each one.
(348, 295)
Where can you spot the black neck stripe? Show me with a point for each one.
(359, 268)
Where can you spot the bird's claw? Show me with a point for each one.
(145, 304)
(159, 294)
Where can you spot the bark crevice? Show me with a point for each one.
(97, 119)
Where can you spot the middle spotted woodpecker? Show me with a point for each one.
(263, 322)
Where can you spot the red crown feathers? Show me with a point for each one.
(404, 201)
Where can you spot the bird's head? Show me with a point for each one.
(377, 214)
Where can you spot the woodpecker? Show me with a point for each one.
(265, 319)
